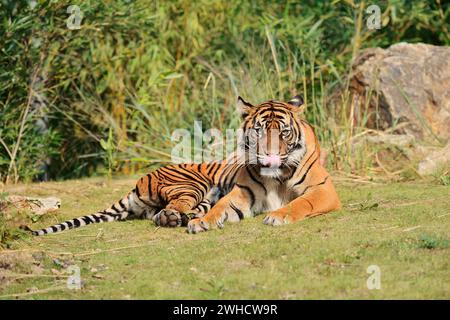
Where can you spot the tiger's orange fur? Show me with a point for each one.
(300, 188)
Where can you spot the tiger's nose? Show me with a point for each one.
(272, 160)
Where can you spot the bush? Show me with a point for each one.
(144, 68)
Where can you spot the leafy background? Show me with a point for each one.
(105, 98)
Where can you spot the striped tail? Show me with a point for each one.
(118, 211)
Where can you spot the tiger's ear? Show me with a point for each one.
(244, 107)
(296, 101)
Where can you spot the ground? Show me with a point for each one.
(402, 228)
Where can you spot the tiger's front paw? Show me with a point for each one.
(276, 218)
(170, 218)
(197, 225)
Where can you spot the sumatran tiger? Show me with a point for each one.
(285, 178)
(276, 169)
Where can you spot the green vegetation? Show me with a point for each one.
(430, 242)
(405, 234)
(104, 100)
(143, 68)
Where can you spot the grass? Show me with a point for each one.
(401, 227)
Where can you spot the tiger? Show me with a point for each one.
(285, 178)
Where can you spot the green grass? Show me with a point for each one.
(401, 227)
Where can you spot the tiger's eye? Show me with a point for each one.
(257, 129)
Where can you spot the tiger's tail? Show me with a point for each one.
(125, 207)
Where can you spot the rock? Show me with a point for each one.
(39, 206)
(434, 161)
(405, 85)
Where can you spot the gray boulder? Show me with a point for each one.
(435, 161)
(406, 86)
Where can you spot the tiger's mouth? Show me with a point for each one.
(273, 161)
(271, 165)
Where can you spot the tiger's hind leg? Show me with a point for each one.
(169, 217)
(178, 212)
(174, 214)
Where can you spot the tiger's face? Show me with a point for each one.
(273, 138)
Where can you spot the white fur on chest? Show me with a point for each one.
(275, 200)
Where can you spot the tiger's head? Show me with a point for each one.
(273, 138)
